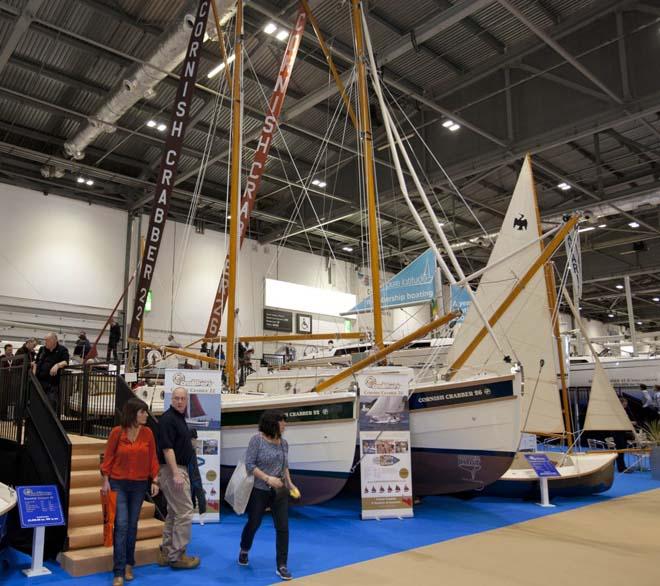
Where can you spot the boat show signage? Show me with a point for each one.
(169, 164)
(203, 415)
(385, 454)
(302, 414)
(39, 506)
(542, 465)
(278, 320)
(259, 164)
(467, 394)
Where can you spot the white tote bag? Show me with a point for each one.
(239, 488)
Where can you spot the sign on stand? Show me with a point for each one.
(39, 507)
(385, 462)
(544, 469)
(204, 389)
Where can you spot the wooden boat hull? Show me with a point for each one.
(587, 478)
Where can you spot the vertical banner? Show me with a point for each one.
(258, 164)
(460, 301)
(169, 164)
(203, 416)
(385, 462)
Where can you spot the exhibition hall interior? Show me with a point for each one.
(358, 292)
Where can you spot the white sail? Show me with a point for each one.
(605, 412)
(525, 329)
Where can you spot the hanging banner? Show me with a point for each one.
(258, 165)
(385, 462)
(460, 301)
(204, 389)
(414, 285)
(169, 164)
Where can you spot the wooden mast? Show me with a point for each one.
(368, 169)
(221, 44)
(235, 193)
(548, 251)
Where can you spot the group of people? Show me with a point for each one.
(136, 463)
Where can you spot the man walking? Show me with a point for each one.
(113, 340)
(53, 357)
(175, 451)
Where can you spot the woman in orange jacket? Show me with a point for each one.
(129, 464)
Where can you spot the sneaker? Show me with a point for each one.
(162, 558)
(284, 573)
(185, 562)
(243, 558)
(117, 581)
(128, 573)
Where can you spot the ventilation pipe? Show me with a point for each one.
(143, 77)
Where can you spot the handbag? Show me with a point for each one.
(239, 488)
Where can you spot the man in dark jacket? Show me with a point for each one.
(82, 346)
(26, 352)
(53, 357)
(115, 337)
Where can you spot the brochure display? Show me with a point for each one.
(203, 415)
(544, 469)
(385, 462)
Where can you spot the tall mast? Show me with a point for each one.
(366, 139)
(235, 193)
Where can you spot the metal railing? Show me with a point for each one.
(13, 399)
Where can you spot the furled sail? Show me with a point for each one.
(525, 330)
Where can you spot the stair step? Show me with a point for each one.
(85, 462)
(86, 495)
(83, 478)
(92, 535)
(81, 445)
(86, 515)
(82, 562)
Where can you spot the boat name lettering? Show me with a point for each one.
(454, 396)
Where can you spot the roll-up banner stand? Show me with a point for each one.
(202, 415)
(385, 462)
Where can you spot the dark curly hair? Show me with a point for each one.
(129, 412)
(269, 423)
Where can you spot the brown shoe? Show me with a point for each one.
(117, 581)
(185, 562)
(162, 558)
(128, 573)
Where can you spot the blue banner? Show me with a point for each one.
(39, 506)
(412, 286)
(460, 300)
(542, 465)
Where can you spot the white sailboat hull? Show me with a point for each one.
(624, 373)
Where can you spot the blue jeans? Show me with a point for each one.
(130, 494)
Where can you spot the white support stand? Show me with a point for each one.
(545, 493)
(37, 568)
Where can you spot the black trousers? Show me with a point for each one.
(621, 443)
(112, 348)
(259, 501)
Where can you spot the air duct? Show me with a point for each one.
(140, 80)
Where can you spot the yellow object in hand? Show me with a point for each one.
(295, 493)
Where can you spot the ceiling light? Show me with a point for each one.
(315, 182)
(602, 225)
(89, 182)
(448, 123)
(152, 124)
(211, 74)
(656, 299)
(322, 183)
(347, 248)
(633, 224)
(639, 323)
(270, 28)
(282, 35)
(619, 286)
(162, 127)
(81, 180)
(454, 127)
(610, 315)
(564, 186)
(587, 229)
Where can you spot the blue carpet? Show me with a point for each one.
(332, 535)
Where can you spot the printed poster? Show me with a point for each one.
(203, 416)
(385, 464)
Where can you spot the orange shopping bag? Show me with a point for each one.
(109, 504)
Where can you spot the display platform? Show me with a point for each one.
(332, 535)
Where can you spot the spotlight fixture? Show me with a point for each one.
(89, 182)
(162, 127)
(619, 286)
(282, 35)
(152, 124)
(319, 183)
(610, 315)
(211, 74)
(656, 299)
(454, 127)
(587, 229)
(639, 323)
(451, 125)
(563, 186)
(270, 28)
(448, 123)
(347, 248)
(602, 225)
(81, 180)
(633, 224)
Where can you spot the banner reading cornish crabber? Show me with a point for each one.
(169, 164)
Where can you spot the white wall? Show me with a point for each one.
(58, 249)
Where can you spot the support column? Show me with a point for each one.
(631, 315)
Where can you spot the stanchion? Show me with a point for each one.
(545, 493)
(37, 568)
